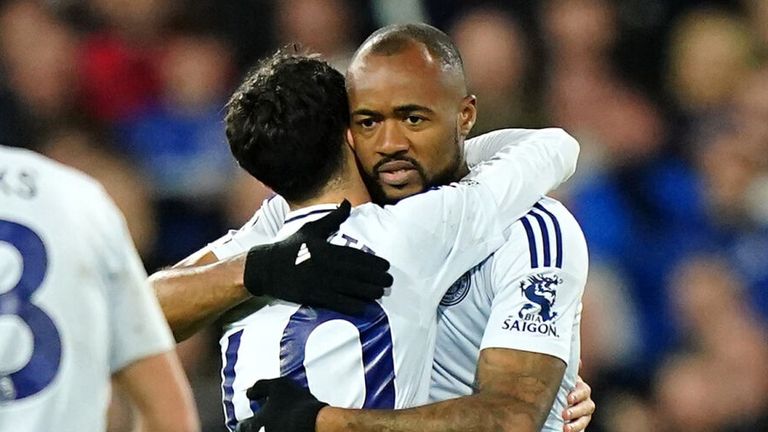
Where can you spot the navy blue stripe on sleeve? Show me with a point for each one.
(531, 242)
(230, 359)
(544, 238)
(558, 235)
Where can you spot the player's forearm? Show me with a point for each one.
(160, 392)
(471, 413)
(162, 423)
(192, 297)
(515, 391)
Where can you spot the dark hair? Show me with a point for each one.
(395, 38)
(286, 123)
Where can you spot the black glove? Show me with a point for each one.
(285, 407)
(306, 269)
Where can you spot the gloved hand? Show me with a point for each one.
(306, 269)
(285, 407)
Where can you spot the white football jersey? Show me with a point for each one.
(75, 305)
(526, 296)
(383, 359)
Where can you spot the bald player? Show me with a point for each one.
(509, 329)
(419, 147)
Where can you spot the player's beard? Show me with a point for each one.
(440, 178)
(451, 172)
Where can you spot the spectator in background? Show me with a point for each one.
(607, 348)
(630, 195)
(734, 170)
(711, 51)
(497, 80)
(749, 117)
(329, 27)
(628, 413)
(619, 124)
(38, 55)
(757, 11)
(247, 25)
(388, 12)
(725, 354)
(118, 63)
(179, 142)
(714, 380)
(579, 33)
(86, 148)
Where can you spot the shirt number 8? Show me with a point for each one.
(44, 362)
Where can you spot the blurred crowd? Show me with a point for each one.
(669, 99)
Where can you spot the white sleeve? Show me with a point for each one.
(483, 147)
(453, 228)
(473, 213)
(538, 281)
(137, 325)
(260, 229)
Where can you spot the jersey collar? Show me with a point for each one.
(300, 214)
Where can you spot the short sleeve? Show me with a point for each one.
(455, 227)
(538, 278)
(260, 229)
(474, 214)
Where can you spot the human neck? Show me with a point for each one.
(347, 185)
(461, 171)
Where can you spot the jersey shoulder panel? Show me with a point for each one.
(54, 174)
(547, 237)
(538, 282)
(63, 195)
(261, 228)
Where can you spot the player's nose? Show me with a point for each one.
(392, 139)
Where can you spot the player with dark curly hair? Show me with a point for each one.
(291, 109)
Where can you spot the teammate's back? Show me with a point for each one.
(74, 305)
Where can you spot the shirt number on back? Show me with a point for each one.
(376, 344)
(41, 368)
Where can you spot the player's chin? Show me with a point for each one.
(394, 193)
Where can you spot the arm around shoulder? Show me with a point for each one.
(484, 147)
(198, 290)
(515, 390)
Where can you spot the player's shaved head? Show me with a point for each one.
(395, 39)
(410, 110)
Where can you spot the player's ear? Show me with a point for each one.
(350, 139)
(467, 115)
